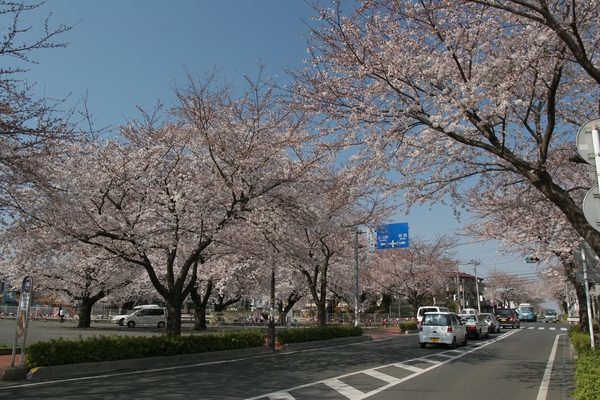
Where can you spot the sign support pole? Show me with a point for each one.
(587, 299)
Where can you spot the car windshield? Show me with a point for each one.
(527, 309)
(485, 316)
(469, 318)
(436, 319)
(504, 312)
(550, 312)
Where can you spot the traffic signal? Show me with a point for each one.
(531, 259)
(509, 289)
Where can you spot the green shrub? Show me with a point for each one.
(587, 376)
(112, 348)
(408, 326)
(587, 365)
(317, 333)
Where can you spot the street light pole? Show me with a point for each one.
(356, 296)
(475, 264)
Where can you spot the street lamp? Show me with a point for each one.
(356, 293)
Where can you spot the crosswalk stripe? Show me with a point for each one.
(344, 389)
(381, 376)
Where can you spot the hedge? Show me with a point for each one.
(317, 333)
(408, 326)
(587, 365)
(113, 347)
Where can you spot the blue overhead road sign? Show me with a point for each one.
(393, 236)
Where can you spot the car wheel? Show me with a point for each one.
(131, 324)
(464, 343)
(498, 330)
(122, 322)
(453, 345)
(161, 324)
(477, 335)
(423, 345)
(487, 334)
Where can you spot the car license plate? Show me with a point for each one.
(435, 340)
(503, 319)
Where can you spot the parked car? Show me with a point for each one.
(442, 328)
(476, 326)
(120, 319)
(508, 317)
(492, 321)
(148, 315)
(550, 316)
(422, 310)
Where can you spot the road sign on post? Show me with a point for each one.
(392, 236)
(588, 146)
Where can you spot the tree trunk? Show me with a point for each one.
(200, 303)
(174, 317)
(85, 311)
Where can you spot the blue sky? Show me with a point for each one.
(130, 52)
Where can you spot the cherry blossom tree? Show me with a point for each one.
(557, 288)
(414, 274)
(28, 125)
(527, 223)
(159, 194)
(507, 289)
(310, 228)
(76, 275)
(456, 94)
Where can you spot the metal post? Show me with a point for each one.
(587, 298)
(272, 319)
(356, 295)
(475, 264)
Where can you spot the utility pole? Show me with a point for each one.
(475, 264)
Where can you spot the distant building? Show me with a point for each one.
(462, 288)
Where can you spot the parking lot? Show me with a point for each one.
(46, 330)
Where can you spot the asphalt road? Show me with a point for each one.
(533, 362)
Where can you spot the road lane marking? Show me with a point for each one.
(355, 394)
(344, 389)
(382, 377)
(543, 392)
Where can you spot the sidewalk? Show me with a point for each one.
(383, 333)
(5, 362)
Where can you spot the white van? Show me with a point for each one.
(120, 319)
(423, 310)
(149, 315)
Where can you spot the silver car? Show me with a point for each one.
(492, 322)
(442, 328)
(476, 326)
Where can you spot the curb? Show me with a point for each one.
(74, 370)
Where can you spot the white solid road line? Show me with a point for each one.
(543, 392)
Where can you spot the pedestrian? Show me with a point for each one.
(61, 314)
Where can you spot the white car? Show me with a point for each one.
(422, 310)
(476, 326)
(120, 319)
(442, 328)
(147, 316)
